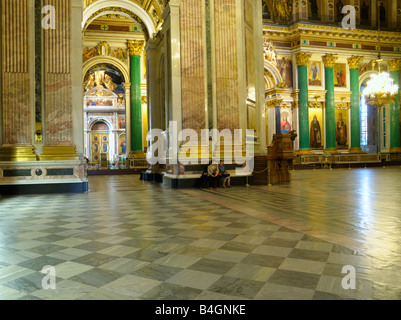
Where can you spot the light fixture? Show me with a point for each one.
(380, 89)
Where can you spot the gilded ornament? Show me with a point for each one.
(394, 64)
(329, 60)
(354, 62)
(135, 48)
(303, 58)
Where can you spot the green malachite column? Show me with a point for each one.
(331, 144)
(135, 51)
(304, 138)
(354, 63)
(395, 143)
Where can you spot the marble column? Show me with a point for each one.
(304, 139)
(192, 20)
(16, 112)
(331, 144)
(354, 63)
(395, 143)
(226, 44)
(57, 50)
(135, 51)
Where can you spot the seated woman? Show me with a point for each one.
(204, 177)
(213, 175)
(224, 175)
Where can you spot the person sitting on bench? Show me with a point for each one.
(224, 175)
(204, 176)
(213, 175)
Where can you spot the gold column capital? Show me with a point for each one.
(303, 58)
(354, 62)
(329, 60)
(394, 65)
(135, 48)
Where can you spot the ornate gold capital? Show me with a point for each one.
(303, 58)
(354, 62)
(135, 48)
(329, 60)
(394, 65)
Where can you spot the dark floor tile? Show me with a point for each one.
(157, 272)
(212, 266)
(96, 277)
(237, 287)
(328, 296)
(309, 255)
(239, 247)
(47, 249)
(94, 259)
(280, 243)
(146, 255)
(263, 260)
(295, 279)
(27, 284)
(167, 291)
(221, 236)
(39, 263)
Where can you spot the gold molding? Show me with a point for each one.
(18, 154)
(51, 153)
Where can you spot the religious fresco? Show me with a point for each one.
(286, 120)
(122, 145)
(284, 66)
(342, 125)
(340, 75)
(316, 129)
(100, 126)
(315, 73)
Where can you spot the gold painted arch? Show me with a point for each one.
(146, 13)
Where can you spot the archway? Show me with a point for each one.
(115, 34)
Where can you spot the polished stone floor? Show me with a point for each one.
(127, 239)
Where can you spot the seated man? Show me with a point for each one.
(224, 175)
(213, 175)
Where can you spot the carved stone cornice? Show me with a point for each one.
(323, 33)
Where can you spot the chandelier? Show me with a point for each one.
(380, 89)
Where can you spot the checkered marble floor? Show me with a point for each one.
(132, 240)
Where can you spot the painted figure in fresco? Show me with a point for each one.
(341, 131)
(315, 134)
(314, 76)
(123, 147)
(340, 78)
(285, 126)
